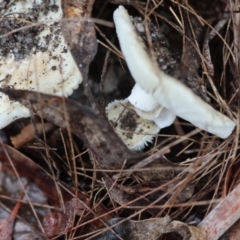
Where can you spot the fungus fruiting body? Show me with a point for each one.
(149, 117)
(33, 57)
(169, 93)
(148, 108)
(135, 131)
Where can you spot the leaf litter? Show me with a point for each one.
(105, 190)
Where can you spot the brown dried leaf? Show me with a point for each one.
(125, 194)
(34, 173)
(56, 224)
(27, 133)
(79, 32)
(94, 131)
(150, 229)
(6, 226)
(158, 171)
(186, 231)
(135, 230)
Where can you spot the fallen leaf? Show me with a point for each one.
(188, 232)
(57, 224)
(135, 230)
(158, 171)
(34, 173)
(27, 133)
(6, 226)
(93, 130)
(151, 191)
(79, 32)
(149, 229)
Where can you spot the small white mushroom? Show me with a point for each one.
(135, 131)
(35, 58)
(149, 117)
(165, 90)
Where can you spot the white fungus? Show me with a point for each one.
(142, 100)
(148, 108)
(168, 92)
(35, 58)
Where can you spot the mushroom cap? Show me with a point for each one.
(134, 131)
(35, 58)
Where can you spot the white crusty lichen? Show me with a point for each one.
(35, 57)
(170, 94)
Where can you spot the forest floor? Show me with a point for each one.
(66, 174)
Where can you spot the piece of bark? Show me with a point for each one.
(234, 231)
(223, 216)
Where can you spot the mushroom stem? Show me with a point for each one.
(148, 108)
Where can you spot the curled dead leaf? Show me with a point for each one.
(28, 132)
(150, 229)
(93, 130)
